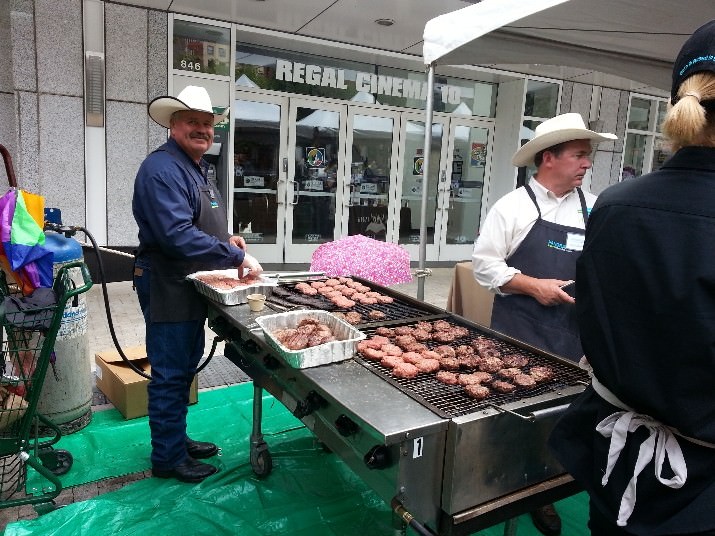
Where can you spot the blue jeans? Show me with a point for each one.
(174, 350)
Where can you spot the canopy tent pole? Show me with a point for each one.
(442, 36)
(422, 273)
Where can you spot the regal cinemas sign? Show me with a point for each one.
(316, 75)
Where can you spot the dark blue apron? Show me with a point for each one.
(173, 298)
(543, 255)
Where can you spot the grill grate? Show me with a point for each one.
(451, 401)
(397, 311)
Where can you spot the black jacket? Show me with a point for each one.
(645, 299)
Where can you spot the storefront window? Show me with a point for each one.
(661, 152)
(542, 99)
(633, 155)
(201, 48)
(318, 76)
(526, 133)
(297, 73)
(541, 103)
(645, 148)
(662, 109)
(451, 95)
(639, 115)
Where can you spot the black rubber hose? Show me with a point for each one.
(403, 514)
(70, 231)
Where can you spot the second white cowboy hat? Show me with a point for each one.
(559, 129)
(190, 98)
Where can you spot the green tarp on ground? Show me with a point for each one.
(111, 446)
(310, 492)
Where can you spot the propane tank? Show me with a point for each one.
(66, 397)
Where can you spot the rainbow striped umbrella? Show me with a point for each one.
(22, 240)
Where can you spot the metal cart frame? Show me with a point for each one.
(27, 345)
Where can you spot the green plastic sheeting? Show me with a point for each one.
(111, 446)
(310, 492)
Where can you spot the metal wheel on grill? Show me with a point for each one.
(263, 464)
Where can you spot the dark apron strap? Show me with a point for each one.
(581, 198)
(532, 195)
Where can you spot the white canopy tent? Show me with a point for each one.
(635, 39)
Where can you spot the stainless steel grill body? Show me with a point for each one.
(491, 453)
(455, 473)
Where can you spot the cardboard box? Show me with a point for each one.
(126, 389)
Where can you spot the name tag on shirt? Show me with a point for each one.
(574, 241)
(212, 198)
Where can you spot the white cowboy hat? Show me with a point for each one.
(559, 129)
(190, 98)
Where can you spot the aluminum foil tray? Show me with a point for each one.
(233, 296)
(330, 352)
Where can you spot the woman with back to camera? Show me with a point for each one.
(641, 438)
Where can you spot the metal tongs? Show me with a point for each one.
(289, 277)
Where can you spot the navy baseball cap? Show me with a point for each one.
(697, 54)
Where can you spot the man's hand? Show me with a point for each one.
(238, 241)
(250, 265)
(547, 292)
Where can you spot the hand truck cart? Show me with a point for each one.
(29, 329)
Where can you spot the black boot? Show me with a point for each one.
(199, 450)
(188, 471)
(547, 520)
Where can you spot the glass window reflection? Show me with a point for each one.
(639, 116)
(542, 99)
(201, 47)
(633, 155)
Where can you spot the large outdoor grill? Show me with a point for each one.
(456, 464)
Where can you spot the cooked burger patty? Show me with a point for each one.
(524, 380)
(405, 370)
(477, 391)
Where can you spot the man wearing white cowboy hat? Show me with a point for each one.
(182, 229)
(528, 246)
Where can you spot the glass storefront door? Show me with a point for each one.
(468, 165)
(307, 172)
(411, 183)
(371, 165)
(258, 186)
(316, 178)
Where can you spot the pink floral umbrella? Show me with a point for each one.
(383, 263)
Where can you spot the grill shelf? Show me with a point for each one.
(449, 401)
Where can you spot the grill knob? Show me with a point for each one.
(346, 426)
(378, 457)
(312, 402)
(271, 362)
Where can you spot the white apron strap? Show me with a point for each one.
(660, 444)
